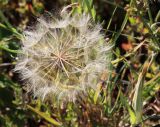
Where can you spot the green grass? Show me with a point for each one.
(123, 99)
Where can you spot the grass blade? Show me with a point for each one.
(137, 98)
(45, 116)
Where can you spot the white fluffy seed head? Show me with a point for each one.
(63, 57)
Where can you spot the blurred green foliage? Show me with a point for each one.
(133, 28)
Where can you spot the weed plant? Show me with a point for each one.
(127, 76)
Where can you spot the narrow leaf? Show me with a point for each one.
(137, 98)
(132, 116)
(45, 116)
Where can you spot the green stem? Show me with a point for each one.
(122, 26)
(10, 50)
(9, 26)
(114, 4)
(154, 39)
(149, 13)
(111, 18)
(158, 16)
(4, 19)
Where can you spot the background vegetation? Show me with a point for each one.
(130, 98)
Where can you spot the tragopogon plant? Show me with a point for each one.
(63, 57)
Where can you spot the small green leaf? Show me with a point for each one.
(93, 13)
(99, 88)
(45, 116)
(132, 116)
(132, 20)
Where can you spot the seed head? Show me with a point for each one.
(63, 57)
